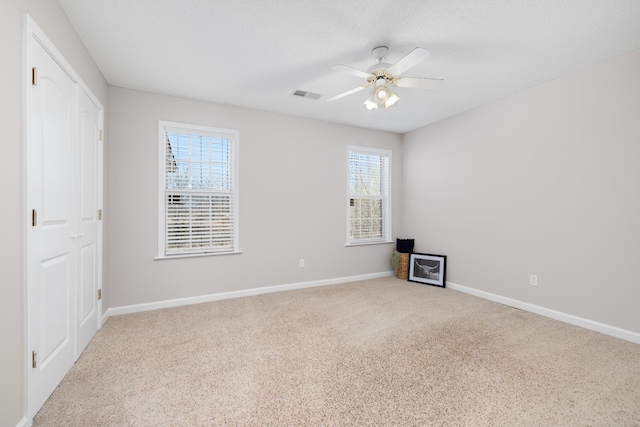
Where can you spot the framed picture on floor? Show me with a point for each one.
(428, 269)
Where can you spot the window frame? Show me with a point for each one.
(163, 127)
(386, 190)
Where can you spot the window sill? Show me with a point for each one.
(386, 242)
(162, 257)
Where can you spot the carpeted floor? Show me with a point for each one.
(382, 352)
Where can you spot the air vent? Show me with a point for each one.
(305, 94)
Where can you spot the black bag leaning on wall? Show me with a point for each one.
(405, 246)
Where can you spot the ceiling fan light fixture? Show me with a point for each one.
(393, 98)
(381, 95)
(371, 104)
(381, 92)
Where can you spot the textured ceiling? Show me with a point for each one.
(254, 54)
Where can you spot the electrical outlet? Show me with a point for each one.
(533, 280)
(301, 263)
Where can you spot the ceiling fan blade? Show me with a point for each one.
(419, 83)
(411, 59)
(347, 93)
(352, 71)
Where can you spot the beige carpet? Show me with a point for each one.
(382, 352)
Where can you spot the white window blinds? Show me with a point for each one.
(198, 189)
(369, 196)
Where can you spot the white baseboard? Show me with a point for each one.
(136, 308)
(105, 317)
(557, 315)
(24, 422)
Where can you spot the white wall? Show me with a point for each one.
(52, 20)
(292, 201)
(11, 289)
(544, 182)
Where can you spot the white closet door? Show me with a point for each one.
(89, 253)
(52, 263)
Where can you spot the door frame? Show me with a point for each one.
(34, 34)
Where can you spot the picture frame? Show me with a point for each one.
(428, 269)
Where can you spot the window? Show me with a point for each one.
(369, 196)
(198, 190)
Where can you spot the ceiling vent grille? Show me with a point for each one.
(305, 94)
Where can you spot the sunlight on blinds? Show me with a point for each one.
(199, 197)
(368, 196)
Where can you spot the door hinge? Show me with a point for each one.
(100, 135)
(34, 76)
(34, 217)
(99, 293)
(99, 214)
(34, 359)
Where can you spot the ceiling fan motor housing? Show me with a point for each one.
(382, 74)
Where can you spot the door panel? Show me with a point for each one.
(51, 258)
(55, 295)
(88, 129)
(56, 148)
(87, 297)
(88, 227)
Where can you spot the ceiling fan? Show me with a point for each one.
(382, 75)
